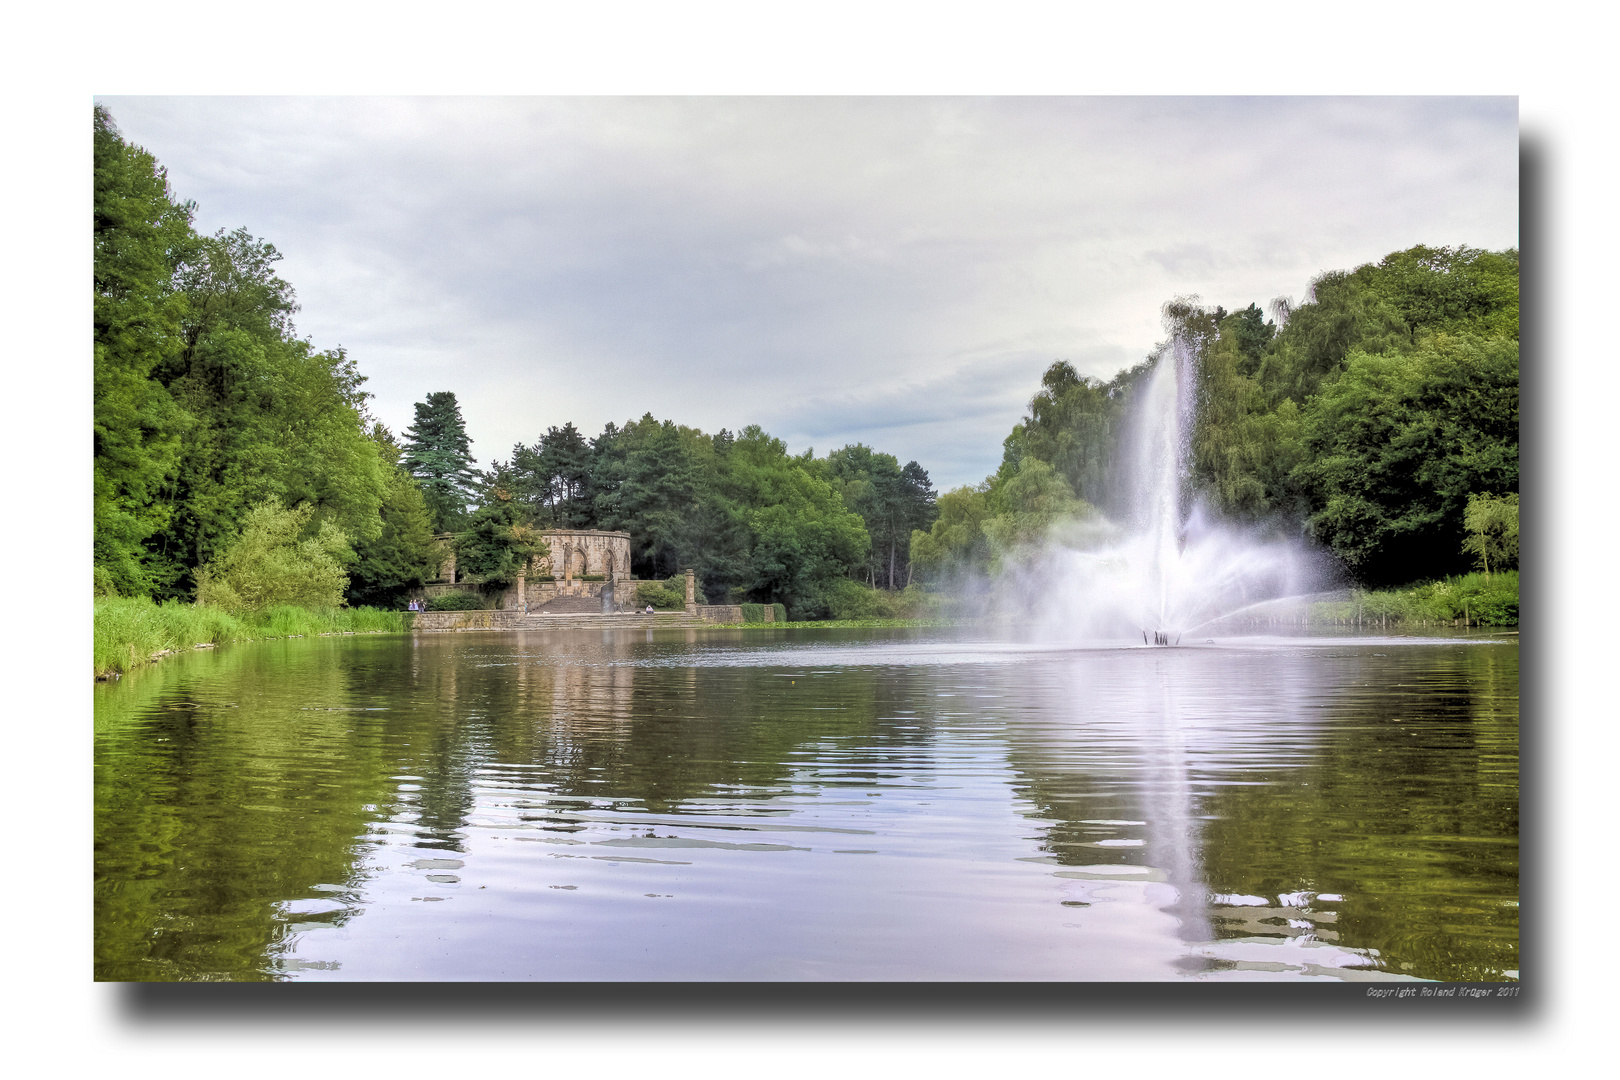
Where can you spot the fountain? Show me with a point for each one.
(1170, 567)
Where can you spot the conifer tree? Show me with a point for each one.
(439, 454)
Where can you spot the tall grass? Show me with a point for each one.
(130, 632)
(1471, 599)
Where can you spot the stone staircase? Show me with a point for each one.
(568, 605)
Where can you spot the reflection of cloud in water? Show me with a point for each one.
(833, 657)
(1162, 730)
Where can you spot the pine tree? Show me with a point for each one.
(439, 454)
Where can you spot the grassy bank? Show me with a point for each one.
(1469, 600)
(131, 632)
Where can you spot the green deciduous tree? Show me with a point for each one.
(1026, 503)
(1397, 443)
(1492, 526)
(1243, 452)
(273, 418)
(275, 561)
(1071, 426)
(141, 235)
(403, 554)
(956, 542)
(802, 537)
(206, 401)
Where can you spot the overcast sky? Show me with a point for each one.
(894, 271)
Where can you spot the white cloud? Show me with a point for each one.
(844, 268)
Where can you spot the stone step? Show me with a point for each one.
(568, 605)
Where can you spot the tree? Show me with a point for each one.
(439, 454)
(1251, 333)
(497, 545)
(801, 536)
(918, 511)
(1396, 445)
(956, 541)
(1242, 451)
(274, 562)
(648, 482)
(1026, 502)
(403, 555)
(207, 403)
(1453, 290)
(140, 236)
(1071, 426)
(891, 500)
(564, 465)
(1492, 524)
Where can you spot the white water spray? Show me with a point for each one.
(1170, 568)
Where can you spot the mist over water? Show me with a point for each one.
(1169, 566)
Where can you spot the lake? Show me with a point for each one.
(811, 805)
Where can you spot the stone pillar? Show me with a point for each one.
(691, 593)
(522, 597)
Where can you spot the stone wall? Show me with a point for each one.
(464, 620)
(537, 593)
(574, 553)
(514, 619)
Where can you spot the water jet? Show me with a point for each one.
(1166, 564)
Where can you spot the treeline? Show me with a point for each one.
(757, 524)
(1380, 418)
(207, 403)
(231, 454)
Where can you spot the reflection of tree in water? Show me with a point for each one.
(1410, 812)
(219, 801)
(1364, 800)
(594, 722)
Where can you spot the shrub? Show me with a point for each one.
(752, 613)
(458, 601)
(848, 599)
(661, 596)
(853, 600)
(269, 564)
(780, 612)
(1483, 601)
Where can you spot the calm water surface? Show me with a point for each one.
(810, 805)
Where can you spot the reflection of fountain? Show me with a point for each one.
(1171, 567)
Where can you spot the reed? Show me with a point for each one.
(131, 631)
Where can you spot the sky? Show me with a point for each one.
(896, 271)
